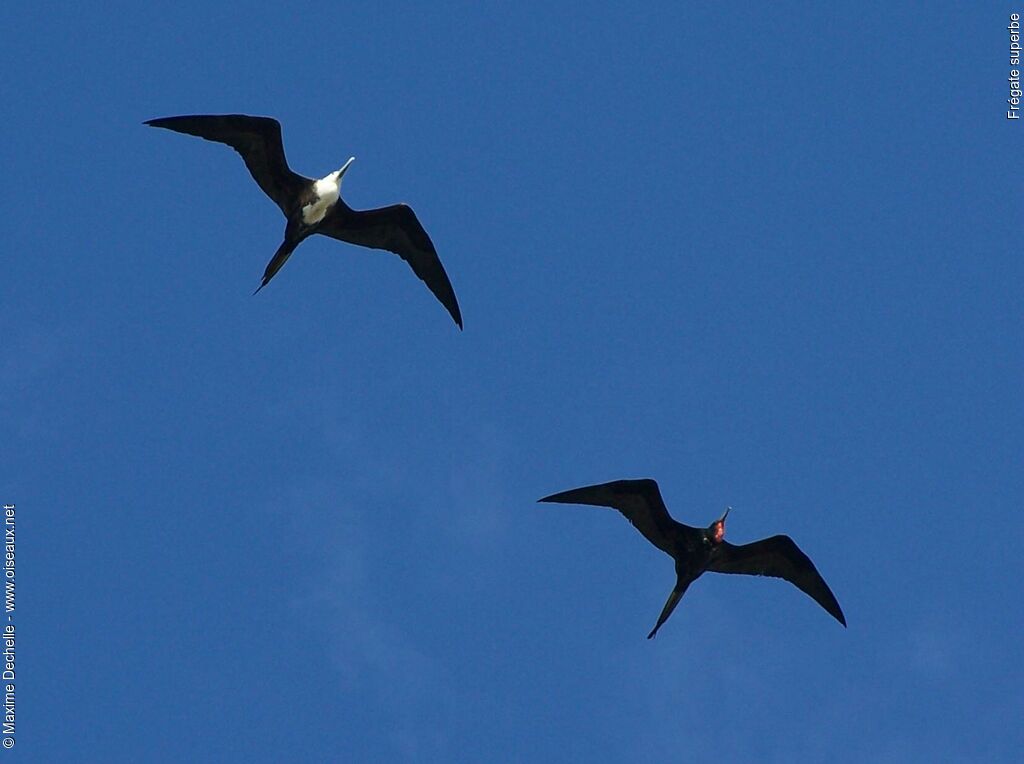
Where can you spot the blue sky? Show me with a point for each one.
(769, 257)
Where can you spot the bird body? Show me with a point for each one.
(328, 191)
(315, 206)
(698, 550)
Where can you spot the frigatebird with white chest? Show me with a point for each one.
(697, 550)
(315, 206)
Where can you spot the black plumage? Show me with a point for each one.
(697, 550)
(394, 228)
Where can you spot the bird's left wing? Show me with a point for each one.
(256, 139)
(639, 500)
(780, 557)
(397, 230)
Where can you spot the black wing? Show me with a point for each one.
(257, 139)
(397, 230)
(778, 556)
(639, 500)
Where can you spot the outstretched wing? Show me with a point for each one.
(257, 139)
(778, 556)
(639, 500)
(397, 230)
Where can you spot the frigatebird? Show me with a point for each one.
(315, 206)
(697, 550)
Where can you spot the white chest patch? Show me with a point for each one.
(327, 190)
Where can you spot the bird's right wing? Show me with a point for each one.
(780, 557)
(639, 500)
(395, 229)
(257, 139)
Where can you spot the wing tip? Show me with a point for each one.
(562, 497)
(559, 498)
(160, 121)
(450, 304)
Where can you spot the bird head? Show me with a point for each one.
(716, 531)
(340, 173)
